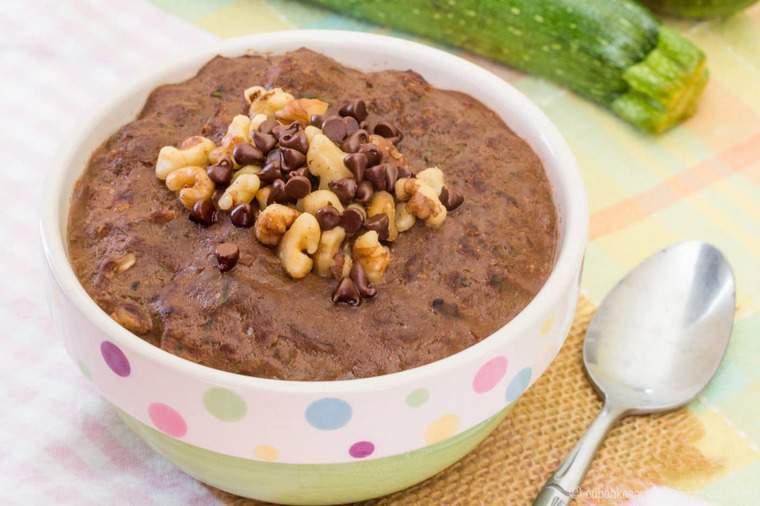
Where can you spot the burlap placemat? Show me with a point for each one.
(510, 466)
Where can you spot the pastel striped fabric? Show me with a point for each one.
(61, 444)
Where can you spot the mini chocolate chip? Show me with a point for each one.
(277, 131)
(347, 293)
(377, 175)
(450, 198)
(220, 174)
(356, 163)
(247, 154)
(352, 125)
(344, 188)
(437, 303)
(296, 140)
(374, 156)
(391, 175)
(359, 110)
(359, 277)
(328, 217)
(281, 131)
(351, 220)
(297, 187)
(243, 216)
(354, 141)
(364, 192)
(316, 120)
(378, 223)
(277, 194)
(385, 129)
(404, 172)
(265, 142)
(364, 125)
(274, 156)
(270, 173)
(356, 109)
(267, 126)
(227, 255)
(335, 129)
(292, 159)
(303, 171)
(203, 212)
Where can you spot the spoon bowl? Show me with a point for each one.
(661, 333)
(653, 345)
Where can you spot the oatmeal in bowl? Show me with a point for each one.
(309, 256)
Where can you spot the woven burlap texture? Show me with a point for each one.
(510, 466)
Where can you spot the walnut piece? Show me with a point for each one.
(404, 219)
(192, 183)
(373, 256)
(273, 222)
(240, 191)
(124, 262)
(433, 177)
(389, 150)
(193, 151)
(300, 241)
(300, 110)
(325, 160)
(383, 203)
(425, 205)
(316, 200)
(133, 318)
(265, 101)
(329, 245)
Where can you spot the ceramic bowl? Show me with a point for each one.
(321, 442)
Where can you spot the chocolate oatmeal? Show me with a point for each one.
(289, 217)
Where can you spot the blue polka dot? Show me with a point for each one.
(518, 384)
(328, 414)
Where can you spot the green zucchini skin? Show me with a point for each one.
(600, 49)
(699, 9)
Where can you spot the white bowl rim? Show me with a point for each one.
(570, 255)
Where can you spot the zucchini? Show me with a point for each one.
(698, 8)
(611, 51)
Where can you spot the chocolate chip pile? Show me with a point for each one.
(330, 193)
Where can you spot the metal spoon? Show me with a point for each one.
(653, 345)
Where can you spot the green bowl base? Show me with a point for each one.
(314, 484)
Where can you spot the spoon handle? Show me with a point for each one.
(563, 485)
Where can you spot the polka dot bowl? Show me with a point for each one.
(320, 442)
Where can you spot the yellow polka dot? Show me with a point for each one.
(266, 452)
(442, 428)
(547, 326)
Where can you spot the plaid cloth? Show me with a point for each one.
(61, 444)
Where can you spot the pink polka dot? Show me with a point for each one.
(490, 374)
(167, 420)
(361, 449)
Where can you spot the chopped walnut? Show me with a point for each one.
(325, 160)
(300, 241)
(373, 256)
(301, 110)
(329, 246)
(273, 222)
(132, 317)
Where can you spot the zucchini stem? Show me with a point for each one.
(664, 87)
